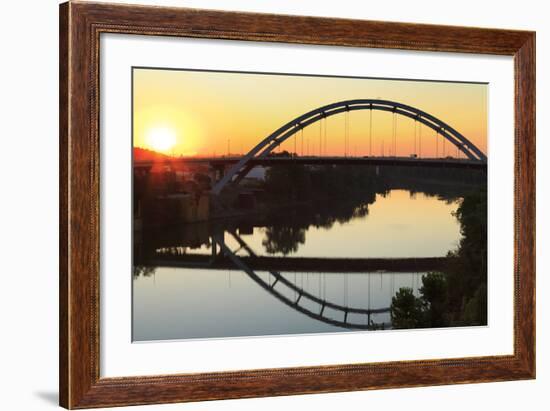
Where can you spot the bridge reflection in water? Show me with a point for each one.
(287, 290)
(202, 271)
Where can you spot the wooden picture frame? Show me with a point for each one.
(80, 27)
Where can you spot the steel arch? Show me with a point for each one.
(303, 294)
(268, 144)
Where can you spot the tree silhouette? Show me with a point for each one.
(406, 309)
(284, 240)
(434, 298)
(458, 296)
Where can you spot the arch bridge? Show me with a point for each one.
(275, 139)
(299, 303)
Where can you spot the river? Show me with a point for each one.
(181, 302)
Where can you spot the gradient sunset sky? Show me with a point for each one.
(211, 113)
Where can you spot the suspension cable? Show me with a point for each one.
(444, 148)
(394, 135)
(345, 290)
(326, 124)
(368, 300)
(395, 138)
(347, 133)
(302, 137)
(420, 139)
(320, 139)
(414, 149)
(295, 138)
(370, 132)
(437, 144)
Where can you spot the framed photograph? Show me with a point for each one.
(258, 205)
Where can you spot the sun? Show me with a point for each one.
(161, 139)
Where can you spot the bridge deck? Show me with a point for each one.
(311, 160)
(341, 265)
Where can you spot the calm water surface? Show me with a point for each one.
(180, 303)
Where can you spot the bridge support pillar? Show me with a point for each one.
(218, 172)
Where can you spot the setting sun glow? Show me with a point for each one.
(161, 139)
(217, 114)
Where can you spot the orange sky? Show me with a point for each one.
(205, 112)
